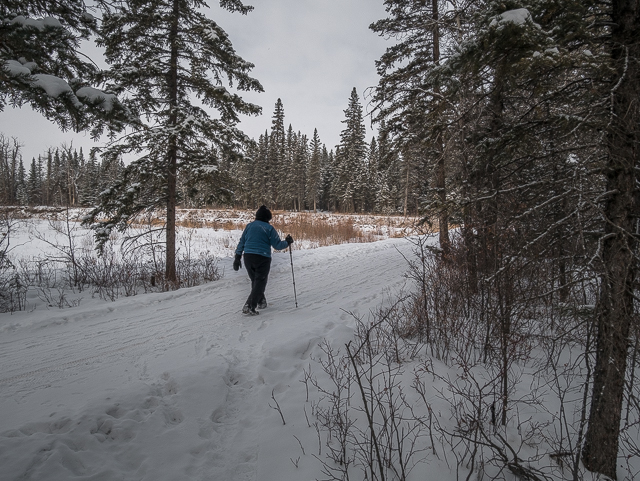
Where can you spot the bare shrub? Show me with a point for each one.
(333, 410)
(49, 281)
(191, 270)
(13, 289)
(441, 311)
(377, 411)
(517, 342)
(65, 245)
(368, 420)
(125, 267)
(109, 275)
(128, 272)
(526, 318)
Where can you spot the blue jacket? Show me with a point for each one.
(258, 238)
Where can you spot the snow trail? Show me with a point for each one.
(180, 385)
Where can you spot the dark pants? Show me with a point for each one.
(258, 269)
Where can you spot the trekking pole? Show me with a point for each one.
(294, 277)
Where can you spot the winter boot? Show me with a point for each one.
(263, 303)
(247, 309)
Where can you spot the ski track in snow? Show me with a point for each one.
(178, 385)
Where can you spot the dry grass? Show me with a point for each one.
(317, 229)
(321, 232)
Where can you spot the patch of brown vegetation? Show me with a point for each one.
(319, 229)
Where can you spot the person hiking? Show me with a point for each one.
(256, 242)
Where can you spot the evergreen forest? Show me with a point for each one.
(61, 177)
(283, 168)
(512, 126)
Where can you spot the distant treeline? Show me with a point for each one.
(62, 176)
(284, 169)
(288, 170)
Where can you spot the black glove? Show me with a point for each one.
(289, 239)
(236, 262)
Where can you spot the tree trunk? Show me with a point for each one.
(172, 154)
(489, 181)
(505, 311)
(443, 217)
(615, 303)
(406, 190)
(468, 219)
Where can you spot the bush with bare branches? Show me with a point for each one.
(13, 289)
(514, 352)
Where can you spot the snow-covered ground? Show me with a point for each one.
(178, 385)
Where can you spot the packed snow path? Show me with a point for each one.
(180, 385)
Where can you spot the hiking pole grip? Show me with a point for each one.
(294, 277)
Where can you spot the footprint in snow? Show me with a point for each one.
(243, 335)
(173, 416)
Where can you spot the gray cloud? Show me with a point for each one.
(309, 53)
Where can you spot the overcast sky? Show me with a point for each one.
(309, 53)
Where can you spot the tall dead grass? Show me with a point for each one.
(322, 231)
(319, 229)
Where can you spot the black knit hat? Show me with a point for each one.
(263, 214)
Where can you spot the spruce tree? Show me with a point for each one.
(535, 94)
(328, 176)
(167, 53)
(47, 197)
(617, 302)
(314, 173)
(352, 156)
(409, 99)
(275, 171)
(22, 197)
(56, 175)
(261, 193)
(42, 65)
(525, 101)
(9, 159)
(245, 187)
(371, 181)
(89, 182)
(34, 185)
(333, 177)
(299, 171)
(286, 173)
(388, 174)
